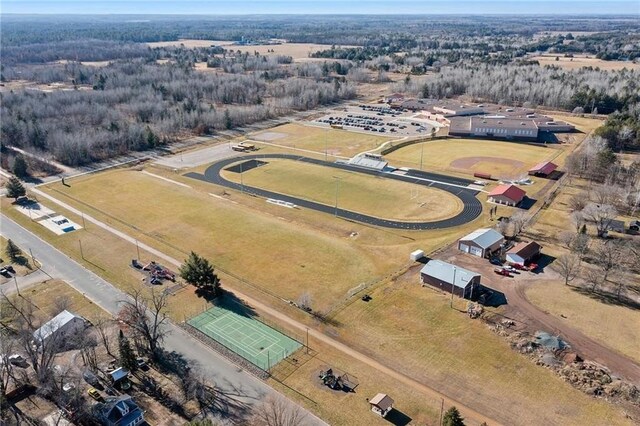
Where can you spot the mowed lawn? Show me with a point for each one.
(357, 192)
(415, 330)
(606, 323)
(335, 141)
(500, 159)
(283, 258)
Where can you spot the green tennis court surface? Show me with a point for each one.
(230, 325)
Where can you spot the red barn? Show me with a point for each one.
(543, 169)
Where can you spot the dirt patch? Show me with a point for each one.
(269, 136)
(468, 163)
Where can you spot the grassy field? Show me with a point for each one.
(234, 238)
(500, 159)
(355, 191)
(579, 61)
(336, 142)
(49, 297)
(606, 323)
(414, 329)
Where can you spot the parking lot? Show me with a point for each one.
(378, 119)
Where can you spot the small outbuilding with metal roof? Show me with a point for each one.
(507, 194)
(62, 327)
(543, 169)
(524, 253)
(481, 242)
(450, 278)
(381, 404)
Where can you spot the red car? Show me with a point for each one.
(502, 271)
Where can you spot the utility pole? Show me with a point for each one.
(138, 249)
(337, 191)
(421, 154)
(81, 253)
(84, 225)
(307, 340)
(15, 280)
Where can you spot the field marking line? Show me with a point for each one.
(316, 334)
(184, 185)
(223, 198)
(297, 149)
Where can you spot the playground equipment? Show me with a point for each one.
(337, 381)
(156, 272)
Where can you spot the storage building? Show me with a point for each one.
(481, 242)
(450, 278)
(524, 253)
(507, 194)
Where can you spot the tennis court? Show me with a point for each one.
(256, 342)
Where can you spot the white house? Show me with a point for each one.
(65, 325)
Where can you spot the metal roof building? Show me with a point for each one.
(65, 324)
(450, 278)
(481, 242)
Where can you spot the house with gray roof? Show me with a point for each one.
(120, 411)
(481, 242)
(450, 278)
(63, 326)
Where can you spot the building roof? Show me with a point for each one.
(119, 374)
(382, 401)
(54, 324)
(526, 250)
(121, 411)
(510, 191)
(445, 272)
(370, 161)
(546, 167)
(484, 237)
(503, 123)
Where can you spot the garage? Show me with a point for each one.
(476, 251)
(464, 248)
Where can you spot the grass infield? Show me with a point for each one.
(232, 326)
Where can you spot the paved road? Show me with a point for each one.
(471, 205)
(228, 377)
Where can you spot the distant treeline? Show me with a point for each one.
(134, 105)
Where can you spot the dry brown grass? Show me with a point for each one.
(579, 61)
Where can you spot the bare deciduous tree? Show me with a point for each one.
(609, 255)
(103, 325)
(146, 318)
(602, 215)
(277, 411)
(518, 221)
(567, 265)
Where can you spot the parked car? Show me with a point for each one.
(18, 360)
(502, 271)
(495, 261)
(142, 364)
(93, 393)
(91, 378)
(5, 273)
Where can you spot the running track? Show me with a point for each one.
(471, 206)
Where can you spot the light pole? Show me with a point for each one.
(15, 280)
(421, 154)
(337, 191)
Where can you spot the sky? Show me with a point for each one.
(239, 7)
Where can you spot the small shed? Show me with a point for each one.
(450, 278)
(417, 255)
(381, 404)
(62, 327)
(507, 194)
(543, 169)
(119, 374)
(481, 242)
(523, 253)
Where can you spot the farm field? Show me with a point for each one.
(606, 323)
(357, 192)
(467, 156)
(338, 143)
(579, 61)
(187, 220)
(414, 329)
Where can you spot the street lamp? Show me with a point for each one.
(338, 179)
(453, 282)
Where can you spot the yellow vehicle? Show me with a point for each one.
(93, 393)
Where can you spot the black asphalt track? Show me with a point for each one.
(471, 206)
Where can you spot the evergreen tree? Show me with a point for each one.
(15, 189)
(452, 418)
(13, 251)
(20, 166)
(198, 271)
(127, 357)
(228, 123)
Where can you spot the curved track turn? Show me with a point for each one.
(471, 206)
